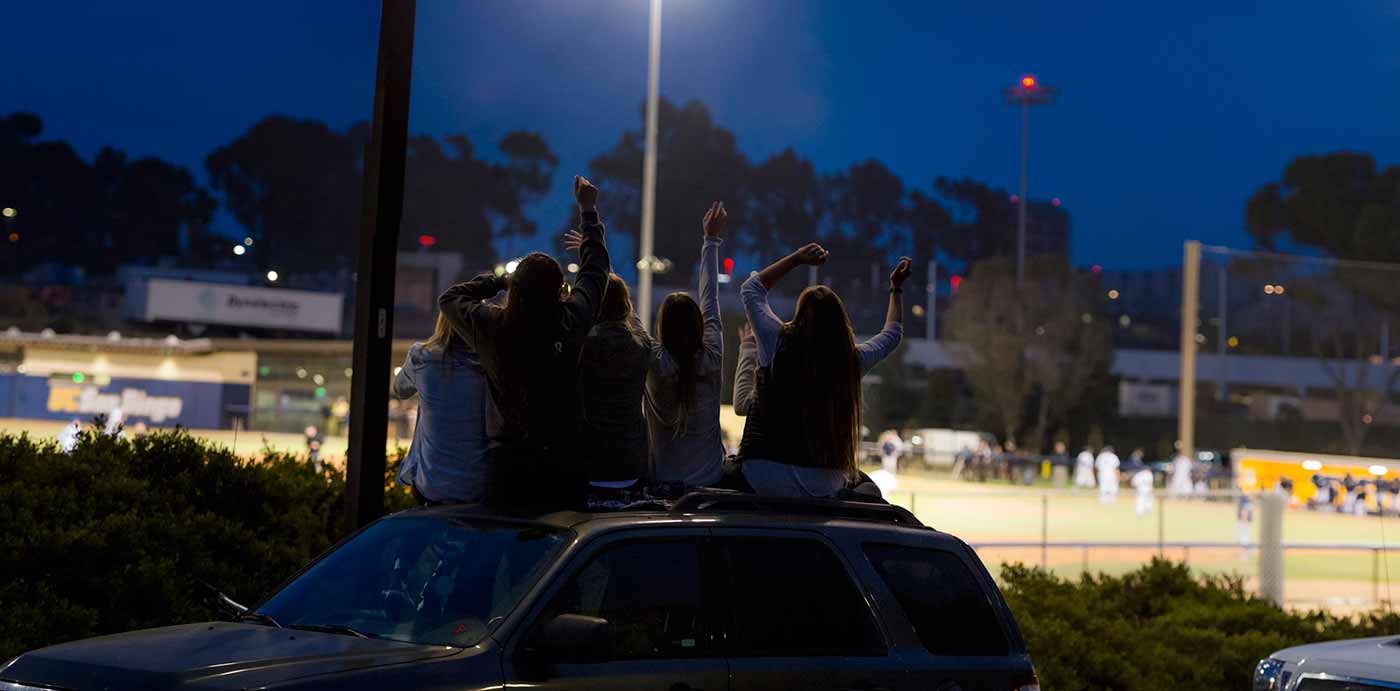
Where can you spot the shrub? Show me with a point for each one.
(115, 535)
(1159, 628)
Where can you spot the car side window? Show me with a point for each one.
(650, 594)
(948, 608)
(792, 597)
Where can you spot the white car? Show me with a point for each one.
(1359, 664)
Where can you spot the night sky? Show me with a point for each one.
(1171, 113)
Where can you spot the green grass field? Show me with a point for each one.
(997, 512)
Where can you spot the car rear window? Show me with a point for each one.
(948, 608)
(794, 598)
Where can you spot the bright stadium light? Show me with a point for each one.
(239, 250)
(272, 276)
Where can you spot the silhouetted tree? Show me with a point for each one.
(698, 162)
(1031, 353)
(1341, 204)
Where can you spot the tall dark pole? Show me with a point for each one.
(1027, 92)
(375, 264)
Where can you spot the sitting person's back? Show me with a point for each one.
(802, 434)
(612, 379)
(447, 459)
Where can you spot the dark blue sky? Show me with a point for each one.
(1172, 113)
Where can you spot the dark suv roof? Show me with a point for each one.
(717, 507)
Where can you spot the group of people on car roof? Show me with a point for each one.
(554, 395)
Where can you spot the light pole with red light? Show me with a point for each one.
(1026, 93)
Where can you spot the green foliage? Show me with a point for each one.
(116, 535)
(1159, 627)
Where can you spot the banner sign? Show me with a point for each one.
(219, 303)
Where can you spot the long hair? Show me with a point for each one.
(530, 326)
(821, 358)
(680, 328)
(444, 339)
(617, 301)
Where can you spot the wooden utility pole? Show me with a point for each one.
(1190, 311)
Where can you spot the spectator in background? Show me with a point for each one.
(68, 436)
(1142, 483)
(1084, 469)
(1181, 476)
(1244, 517)
(612, 381)
(1350, 484)
(802, 435)
(1107, 466)
(447, 460)
(529, 351)
(314, 441)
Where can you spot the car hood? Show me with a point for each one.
(1372, 658)
(208, 655)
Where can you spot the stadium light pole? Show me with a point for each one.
(1026, 93)
(376, 263)
(647, 240)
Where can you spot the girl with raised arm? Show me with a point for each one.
(612, 376)
(802, 435)
(683, 372)
(529, 350)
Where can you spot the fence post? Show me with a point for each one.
(1045, 531)
(1375, 575)
(1271, 546)
(1162, 528)
(911, 502)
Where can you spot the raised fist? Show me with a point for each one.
(901, 272)
(714, 220)
(585, 193)
(811, 255)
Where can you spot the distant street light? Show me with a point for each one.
(9, 212)
(1029, 92)
(248, 241)
(272, 276)
(239, 250)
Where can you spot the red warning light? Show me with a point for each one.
(1015, 199)
(729, 265)
(954, 282)
(1096, 269)
(1055, 201)
(427, 240)
(1028, 81)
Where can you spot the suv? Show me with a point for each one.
(717, 591)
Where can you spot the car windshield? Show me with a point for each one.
(419, 580)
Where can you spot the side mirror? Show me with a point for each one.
(572, 638)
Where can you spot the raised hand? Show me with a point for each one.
(811, 255)
(714, 220)
(585, 193)
(573, 240)
(746, 335)
(902, 270)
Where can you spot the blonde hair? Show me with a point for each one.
(443, 338)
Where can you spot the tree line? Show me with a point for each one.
(294, 187)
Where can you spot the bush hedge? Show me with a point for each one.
(1160, 627)
(116, 535)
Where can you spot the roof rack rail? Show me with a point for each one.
(729, 500)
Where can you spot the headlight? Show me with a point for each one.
(1267, 674)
